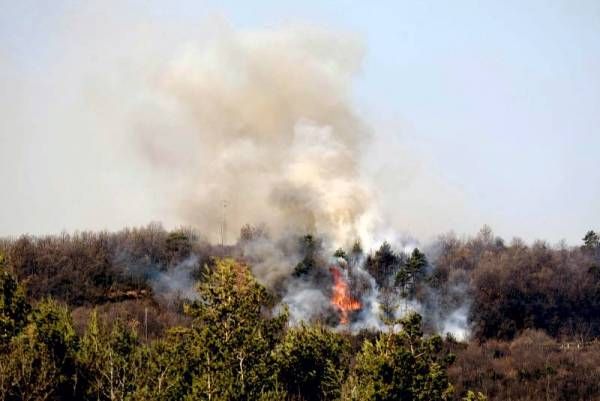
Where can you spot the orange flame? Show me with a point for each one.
(340, 296)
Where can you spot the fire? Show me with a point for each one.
(340, 296)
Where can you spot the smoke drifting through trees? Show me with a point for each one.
(261, 119)
(477, 283)
(268, 126)
(264, 120)
(514, 288)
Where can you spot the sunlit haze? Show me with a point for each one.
(454, 114)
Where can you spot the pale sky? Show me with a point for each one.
(493, 107)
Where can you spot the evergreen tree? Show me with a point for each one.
(311, 362)
(356, 255)
(309, 249)
(178, 247)
(591, 240)
(107, 360)
(39, 362)
(232, 335)
(411, 272)
(28, 372)
(383, 264)
(400, 366)
(164, 368)
(13, 306)
(340, 253)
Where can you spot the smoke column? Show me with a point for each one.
(263, 122)
(266, 124)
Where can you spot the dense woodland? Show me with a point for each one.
(81, 320)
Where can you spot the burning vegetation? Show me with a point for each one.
(340, 295)
(271, 334)
(148, 314)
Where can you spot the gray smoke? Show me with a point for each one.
(259, 128)
(177, 281)
(168, 283)
(457, 323)
(305, 301)
(265, 126)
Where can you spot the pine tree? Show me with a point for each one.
(400, 366)
(163, 368)
(308, 248)
(232, 335)
(411, 272)
(38, 363)
(13, 306)
(591, 240)
(106, 360)
(383, 264)
(311, 362)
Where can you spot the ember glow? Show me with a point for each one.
(340, 296)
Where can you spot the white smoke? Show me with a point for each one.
(457, 324)
(177, 281)
(265, 123)
(305, 302)
(269, 262)
(370, 315)
(168, 283)
(259, 127)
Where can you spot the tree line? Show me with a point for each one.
(80, 320)
(236, 347)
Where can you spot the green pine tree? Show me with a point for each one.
(311, 360)
(232, 335)
(591, 240)
(400, 366)
(107, 360)
(13, 306)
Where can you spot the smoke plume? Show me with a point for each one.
(267, 134)
(260, 128)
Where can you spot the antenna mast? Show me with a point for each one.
(224, 222)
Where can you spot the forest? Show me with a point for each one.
(154, 314)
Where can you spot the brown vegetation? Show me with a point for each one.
(534, 310)
(516, 287)
(533, 366)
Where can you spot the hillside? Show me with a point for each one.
(148, 313)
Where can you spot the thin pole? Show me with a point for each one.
(224, 224)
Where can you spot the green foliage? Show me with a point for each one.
(164, 368)
(312, 361)
(230, 343)
(28, 370)
(107, 360)
(472, 396)
(400, 366)
(231, 346)
(53, 327)
(13, 306)
(383, 263)
(411, 272)
(178, 247)
(273, 395)
(356, 255)
(340, 253)
(39, 362)
(591, 240)
(308, 248)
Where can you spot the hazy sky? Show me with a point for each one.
(485, 111)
